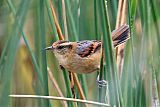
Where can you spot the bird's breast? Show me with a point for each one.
(77, 64)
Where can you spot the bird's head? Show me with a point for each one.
(60, 47)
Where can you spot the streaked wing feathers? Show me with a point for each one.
(87, 48)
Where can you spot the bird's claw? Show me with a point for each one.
(102, 83)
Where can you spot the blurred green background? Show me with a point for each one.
(27, 27)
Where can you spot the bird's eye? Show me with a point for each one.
(60, 47)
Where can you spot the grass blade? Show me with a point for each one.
(43, 54)
(12, 48)
(109, 56)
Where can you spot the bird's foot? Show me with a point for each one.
(102, 83)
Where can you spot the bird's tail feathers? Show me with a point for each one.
(120, 35)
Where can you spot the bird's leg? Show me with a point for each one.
(72, 84)
(101, 82)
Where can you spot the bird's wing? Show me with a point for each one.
(87, 48)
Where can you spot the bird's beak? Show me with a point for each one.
(49, 48)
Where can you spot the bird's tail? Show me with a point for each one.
(120, 35)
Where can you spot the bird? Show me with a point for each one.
(84, 56)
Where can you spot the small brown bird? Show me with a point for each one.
(84, 56)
